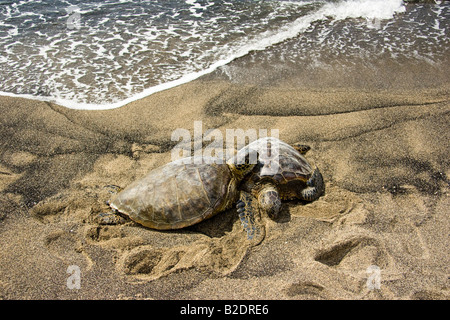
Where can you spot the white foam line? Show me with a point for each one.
(342, 10)
(87, 106)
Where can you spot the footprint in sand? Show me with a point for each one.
(136, 258)
(305, 288)
(353, 252)
(211, 255)
(149, 263)
(354, 255)
(335, 204)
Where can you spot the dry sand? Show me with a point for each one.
(385, 160)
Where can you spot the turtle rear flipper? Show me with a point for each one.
(110, 218)
(315, 187)
(250, 219)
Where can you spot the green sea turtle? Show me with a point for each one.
(281, 173)
(180, 193)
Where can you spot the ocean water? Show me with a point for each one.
(97, 54)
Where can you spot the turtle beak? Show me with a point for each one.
(273, 213)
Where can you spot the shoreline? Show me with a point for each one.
(384, 159)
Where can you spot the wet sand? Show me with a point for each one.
(383, 154)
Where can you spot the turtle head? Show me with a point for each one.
(269, 200)
(241, 170)
(302, 148)
(242, 164)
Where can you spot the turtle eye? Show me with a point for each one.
(243, 168)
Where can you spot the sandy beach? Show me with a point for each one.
(384, 218)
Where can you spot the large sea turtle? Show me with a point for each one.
(180, 193)
(281, 173)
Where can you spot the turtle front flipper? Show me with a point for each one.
(315, 187)
(250, 219)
